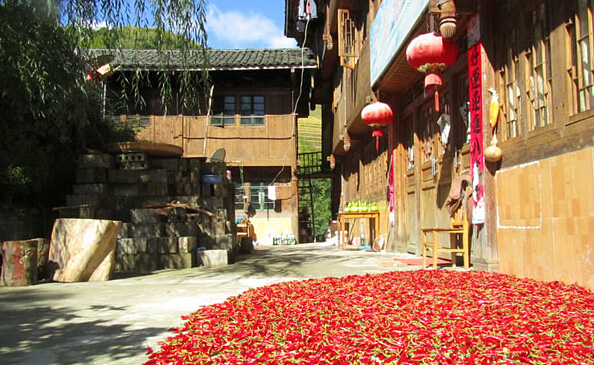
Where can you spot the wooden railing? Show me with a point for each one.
(310, 163)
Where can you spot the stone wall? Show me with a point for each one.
(169, 214)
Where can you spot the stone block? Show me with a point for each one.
(221, 190)
(152, 245)
(147, 200)
(103, 160)
(153, 176)
(224, 242)
(144, 215)
(184, 187)
(130, 157)
(123, 176)
(95, 200)
(123, 232)
(212, 203)
(181, 229)
(205, 241)
(89, 212)
(120, 206)
(177, 261)
(136, 230)
(222, 213)
(204, 190)
(131, 246)
(170, 164)
(183, 165)
(166, 244)
(126, 190)
(142, 262)
(83, 189)
(141, 165)
(91, 175)
(155, 189)
(212, 258)
(187, 244)
(103, 213)
(191, 200)
(214, 227)
(195, 164)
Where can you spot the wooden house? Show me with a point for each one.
(533, 208)
(247, 108)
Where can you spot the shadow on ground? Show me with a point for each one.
(80, 339)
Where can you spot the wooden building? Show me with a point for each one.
(533, 209)
(247, 107)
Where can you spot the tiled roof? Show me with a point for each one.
(227, 59)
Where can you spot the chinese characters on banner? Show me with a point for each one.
(476, 125)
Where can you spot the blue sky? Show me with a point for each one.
(238, 24)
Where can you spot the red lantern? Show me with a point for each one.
(377, 115)
(431, 53)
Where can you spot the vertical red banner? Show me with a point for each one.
(476, 131)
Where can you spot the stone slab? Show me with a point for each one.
(212, 258)
(177, 261)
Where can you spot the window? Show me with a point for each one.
(223, 110)
(583, 60)
(512, 95)
(253, 109)
(347, 39)
(259, 197)
(539, 61)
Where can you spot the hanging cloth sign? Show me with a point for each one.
(477, 164)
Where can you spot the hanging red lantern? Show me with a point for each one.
(431, 53)
(377, 115)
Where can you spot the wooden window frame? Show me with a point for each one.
(225, 116)
(582, 73)
(511, 94)
(538, 67)
(252, 110)
(256, 189)
(347, 39)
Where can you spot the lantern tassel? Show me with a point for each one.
(377, 133)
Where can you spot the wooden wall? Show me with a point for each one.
(545, 218)
(270, 145)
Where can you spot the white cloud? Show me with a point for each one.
(99, 25)
(233, 29)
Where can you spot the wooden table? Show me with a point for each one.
(373, 218)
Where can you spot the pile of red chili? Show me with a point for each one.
(409, 317)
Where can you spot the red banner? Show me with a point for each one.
(477, 164)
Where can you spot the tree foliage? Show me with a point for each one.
(131, 37)
(48, 112)
(43, 104)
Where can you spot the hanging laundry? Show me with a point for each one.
(272, 192)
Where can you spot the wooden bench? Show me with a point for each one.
(457, 232)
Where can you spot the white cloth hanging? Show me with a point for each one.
(272, 192)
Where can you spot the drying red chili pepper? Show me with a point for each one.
(409, 317)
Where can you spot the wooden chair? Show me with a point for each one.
(458, 233)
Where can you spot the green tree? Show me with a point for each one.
(47, 111)
(131, 37)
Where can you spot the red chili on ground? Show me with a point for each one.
(410, 317)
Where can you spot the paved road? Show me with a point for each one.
(113, 322)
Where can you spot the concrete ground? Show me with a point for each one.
(113, 322)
